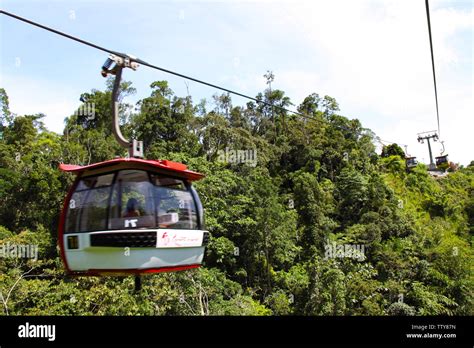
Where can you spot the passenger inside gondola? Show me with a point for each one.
(132, 208)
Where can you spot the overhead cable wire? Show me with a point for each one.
(390, 142)
(432, 62)
(142, 62)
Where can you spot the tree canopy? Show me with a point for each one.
(319, 224)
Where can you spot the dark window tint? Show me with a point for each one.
(88, 205)
(175, 205)
(132, 204)
(94, 211)
(136, 199)
(95, 182)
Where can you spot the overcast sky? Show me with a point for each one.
(372, 56)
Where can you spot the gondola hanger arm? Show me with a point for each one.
(114, 66)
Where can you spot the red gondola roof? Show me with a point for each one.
(173, 167)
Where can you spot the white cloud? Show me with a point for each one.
(374, 58)
(297, 84)
(27, 97)
(447, 22)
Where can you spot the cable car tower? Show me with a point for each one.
(427, 136)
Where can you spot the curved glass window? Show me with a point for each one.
(132, 199)
(175, 206)
(89, 204)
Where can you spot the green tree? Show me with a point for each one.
(392, 150)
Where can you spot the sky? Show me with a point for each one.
(372, 56)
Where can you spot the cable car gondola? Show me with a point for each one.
(411, 162)
(441, 160)
(131, 215)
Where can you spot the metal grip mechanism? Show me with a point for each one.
(135, 147)
(120, 62)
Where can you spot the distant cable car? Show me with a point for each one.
(440, 160)
(130, 215)
(411, 162)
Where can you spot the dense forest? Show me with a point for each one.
(317, 223)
